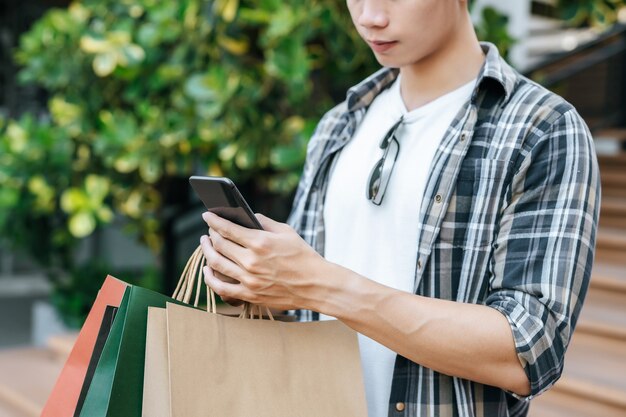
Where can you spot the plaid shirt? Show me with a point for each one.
(508, 220)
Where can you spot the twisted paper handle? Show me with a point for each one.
(192, 277)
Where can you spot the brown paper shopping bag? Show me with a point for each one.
(216, 365)
(156, 388)
(156, 383)
(227, 366)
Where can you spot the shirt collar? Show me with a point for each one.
(494, 68)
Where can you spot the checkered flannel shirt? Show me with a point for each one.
(508, 220)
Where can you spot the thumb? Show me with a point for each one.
(268, 224)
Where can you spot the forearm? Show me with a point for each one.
(464, 340)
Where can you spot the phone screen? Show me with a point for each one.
(220, 196)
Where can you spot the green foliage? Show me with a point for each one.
(493, 27)
(35, 169)
(143, 92)
(595, 13)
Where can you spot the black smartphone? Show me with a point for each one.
(221, 196)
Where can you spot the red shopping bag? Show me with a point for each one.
(65, 394)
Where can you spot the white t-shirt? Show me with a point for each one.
(380, 242)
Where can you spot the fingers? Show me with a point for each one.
(229, 249)
(218, 262)
(232, 301)
(268, 224)
(229, 230)
(224, 278)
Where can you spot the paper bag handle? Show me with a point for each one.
(192, 277)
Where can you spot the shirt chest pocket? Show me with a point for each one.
(474, 210)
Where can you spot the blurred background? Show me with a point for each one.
(107, 107)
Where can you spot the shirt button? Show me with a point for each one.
(400, 406)
(419, 264)
(438, 198)
(463, 136)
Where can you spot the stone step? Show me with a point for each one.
(595, 368)
(604, 314)
(613, 212)
(611, 245)
(609, 276)
(561, 404)
(7, 411)
(27, 376)
(61, 345)
(612, 172)
(613, 184)
(593, 381)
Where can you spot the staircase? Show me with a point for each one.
(594, 378)
(28, 376)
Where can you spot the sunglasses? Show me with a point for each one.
(381, 173)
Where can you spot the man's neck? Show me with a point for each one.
(441, 72)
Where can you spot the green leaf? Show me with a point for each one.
(229, 10)
(148, 35)
(246, 158)
(17, 137)
(73, 200)
(105, 214)
(134, 54)
(93, 45)
(127, 163)
(150, 170)
(97, 187)
(64, 113)
(283, 22)
(104, 64)
(201, 87)
(82, 224)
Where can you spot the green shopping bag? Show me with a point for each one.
(117, 386)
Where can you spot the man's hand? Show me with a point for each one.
(273, 267)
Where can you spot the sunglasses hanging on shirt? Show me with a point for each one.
(381, 173)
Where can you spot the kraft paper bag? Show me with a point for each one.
(156, 382)
(65, 397)
(227, 366)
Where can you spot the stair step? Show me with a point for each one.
(613, 181)
(27, 377)
(61, 345)
(612, 237)
(6, 411)
(595, 367)
(613, 212)
(604, 314)
(611, 245)
(615, 160)
(612, 173)
(609, 276)
(562, 404)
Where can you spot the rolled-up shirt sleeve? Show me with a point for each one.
(544, 249)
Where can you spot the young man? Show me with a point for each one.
(447, 212)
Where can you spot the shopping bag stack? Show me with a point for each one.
(163, 357)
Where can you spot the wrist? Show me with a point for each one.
(342, 292)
